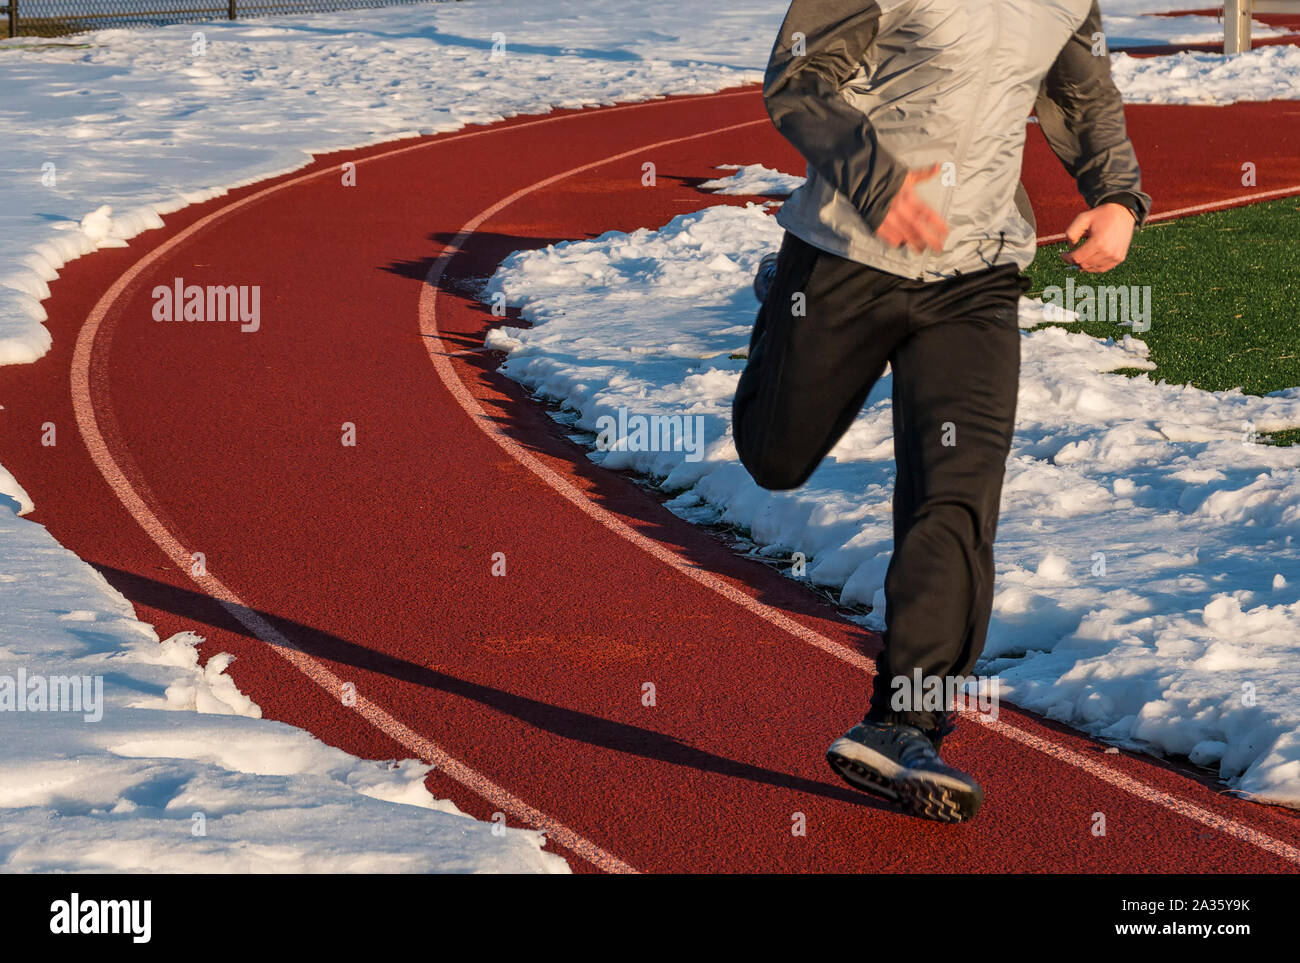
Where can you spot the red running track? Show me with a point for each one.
(372, 565)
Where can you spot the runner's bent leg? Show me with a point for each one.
(819, 345)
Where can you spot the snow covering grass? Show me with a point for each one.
(1144, 549)
(144, 122)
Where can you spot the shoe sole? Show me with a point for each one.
(867, 770)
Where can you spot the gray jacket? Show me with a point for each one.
(869, 89)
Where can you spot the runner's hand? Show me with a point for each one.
(910, 221)
(1109, 229)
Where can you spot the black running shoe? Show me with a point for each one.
(898, 762)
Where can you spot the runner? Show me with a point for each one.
(906, 246)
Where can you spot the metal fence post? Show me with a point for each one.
(1236, 26)
(13, 18)
(231, 11)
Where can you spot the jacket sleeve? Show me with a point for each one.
(820, 48)
(1082, 116)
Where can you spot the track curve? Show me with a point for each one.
(372, 565)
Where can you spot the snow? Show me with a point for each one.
(753, 179)
(120, 793)
(144, 122)
(1264, 73)
(1144, 538)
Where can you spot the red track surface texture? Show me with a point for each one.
(375, 561)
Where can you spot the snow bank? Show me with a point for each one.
(1135, 30)
(753, 179)
(1265, 73)
(143, 122)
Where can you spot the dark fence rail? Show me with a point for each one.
(54, 18)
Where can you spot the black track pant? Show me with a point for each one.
(954, 349)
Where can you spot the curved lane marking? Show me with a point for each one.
(116, 466)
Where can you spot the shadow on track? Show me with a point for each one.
(580, 726)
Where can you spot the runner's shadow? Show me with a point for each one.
(568, 723)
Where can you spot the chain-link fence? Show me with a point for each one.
(52, 18)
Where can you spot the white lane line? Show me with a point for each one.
(428, 307)
(108, 463)
(1201, 208)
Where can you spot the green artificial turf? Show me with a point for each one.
(1225, 298)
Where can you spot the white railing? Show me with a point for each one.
(1236, 20)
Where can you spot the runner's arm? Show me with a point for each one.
(802, 91)
(1081, 114)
